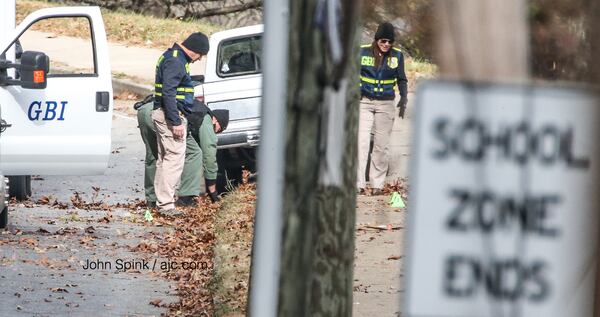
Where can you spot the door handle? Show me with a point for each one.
(102, 101)
(4, 125)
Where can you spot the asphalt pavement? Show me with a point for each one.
(44, 253)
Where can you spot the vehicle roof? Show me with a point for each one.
(253, 29)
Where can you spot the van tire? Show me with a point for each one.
(4, 218)
(20, 187)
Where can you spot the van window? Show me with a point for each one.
(239, 56)
(74, 58)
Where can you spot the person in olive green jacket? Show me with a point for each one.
(201, 150)
(204, 126)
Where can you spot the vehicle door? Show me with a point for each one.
(64, 129)
(234, 78)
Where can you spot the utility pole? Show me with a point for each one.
(320, 173)
(266, 244)
(593, 25)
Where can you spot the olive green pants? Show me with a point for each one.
(191, 177)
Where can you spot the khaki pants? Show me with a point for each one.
(169, 162)
(376, 116)
(191, 177)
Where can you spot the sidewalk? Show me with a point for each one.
(379, 258)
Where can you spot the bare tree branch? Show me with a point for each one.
(190, 12)
(227, 10)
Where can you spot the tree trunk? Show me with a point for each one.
(483, 39)
(319, 204)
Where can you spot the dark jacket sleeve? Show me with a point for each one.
(173, 72)
(401, 76)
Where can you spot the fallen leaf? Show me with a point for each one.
(29, 241)
(44, 200)
(59, 290)
(156, 302)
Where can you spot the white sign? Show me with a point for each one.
(503, 202)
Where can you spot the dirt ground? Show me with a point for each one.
(378, 257)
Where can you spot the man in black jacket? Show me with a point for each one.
(173, 100)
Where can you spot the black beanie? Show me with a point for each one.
(222, 115)
(197, 42)
(385, 31)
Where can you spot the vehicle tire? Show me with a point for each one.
(4, 217)
(28, 185)
(19, 187)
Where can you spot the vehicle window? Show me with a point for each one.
(239, 56)
(72, 58)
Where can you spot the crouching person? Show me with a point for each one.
(204, 126)
(189, 187)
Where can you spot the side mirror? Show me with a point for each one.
(34, 68)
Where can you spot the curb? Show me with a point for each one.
(121, 85)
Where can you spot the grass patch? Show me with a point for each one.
(233, 244)
(122, 26)
(417, 71)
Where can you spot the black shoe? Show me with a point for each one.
(151, 204)
(173, 213)
(186, 201)
(377, 192)
(214, 197)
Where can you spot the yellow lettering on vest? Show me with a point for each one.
(367, 61)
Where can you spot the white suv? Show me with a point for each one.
(233, 81)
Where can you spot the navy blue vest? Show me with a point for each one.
(185, 89)
(378, 83)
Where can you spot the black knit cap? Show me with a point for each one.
(385, 31)
(197, 42)
(222, 115)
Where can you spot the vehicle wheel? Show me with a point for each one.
(19, 187)
(28, 185)
(4, 218)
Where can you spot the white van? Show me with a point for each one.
(53, 120)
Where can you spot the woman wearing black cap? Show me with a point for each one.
(382, 68)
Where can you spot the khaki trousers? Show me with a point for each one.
(169, 162)
(191, 177)
(376, 116)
